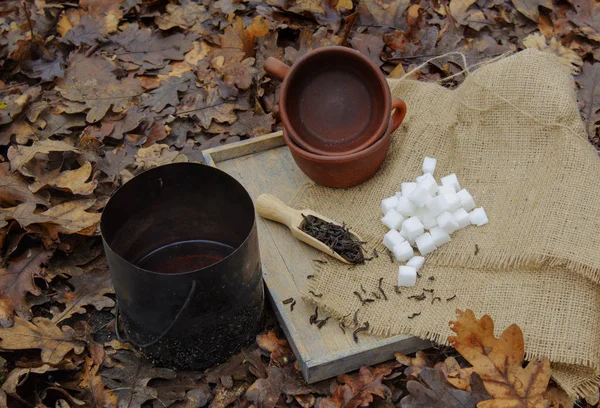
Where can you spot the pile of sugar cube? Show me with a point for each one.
(423, 215)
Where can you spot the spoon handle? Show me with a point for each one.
(272, 208)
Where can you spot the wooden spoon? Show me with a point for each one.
(270, 207)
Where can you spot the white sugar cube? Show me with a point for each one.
(404, 235)
(408, 188)
(419, 197)
(405, 207)
(392, 238)
(388, 204)
(462, 218)
(419, 178)
(452, 181)
(407, 276)
(446, 222)
(466, 200)
(413, 227)
(429, 165)
(440, 237)
(403, 251)
(428, 183)
(428, 221)
(393, 220)
(478, 217)
(438, 205)
(453, 202)
(416, 262)
(425, 244)
(398, 195)
(443, 190)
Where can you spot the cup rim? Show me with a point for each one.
(373, 138)
(340, 158)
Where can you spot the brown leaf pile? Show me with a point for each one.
(93, 92)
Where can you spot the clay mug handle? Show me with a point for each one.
(276, 68)
(399, 113)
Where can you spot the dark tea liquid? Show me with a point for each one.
(184, 256)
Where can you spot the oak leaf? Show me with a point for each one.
(187, 15)
(498, 361)
(115, 162)
(167, 93)
(223, 396)
(237, 42)
(358, 390)
(95, 393)
(41, 333)
(157, 155)
(92, 83)
(567, 57)
(21, 155)
(46, 69)
(370, 45)
(12, 104)
(279, 349)
(240, 73)
(52, 123)
(74, 181)
(88, 289)
(414, 364)
(14, 189)
(15, 377)
(587, 17)
(207, 105)
(129, 379)
(187, 388)
(439, 393)
(17, 280)
(530, 8)
(455, 374)
(151, 50)
(265, 392)
(589, 98)
(249, 124)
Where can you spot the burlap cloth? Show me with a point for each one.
(513, 135)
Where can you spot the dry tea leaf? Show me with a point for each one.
(499, 362)
(88, 289)
(74, 181)
(21, 155)
(129, 379)
(358, 390)
(567, 57)
(439, 393)
(95, 393)
(92, 82)
(16, 281)
(14, 189)
(41, 333)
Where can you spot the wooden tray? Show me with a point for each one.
(265, 165)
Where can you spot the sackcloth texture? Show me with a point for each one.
(513, 134)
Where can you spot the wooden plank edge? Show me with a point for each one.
(243, 148)
(335, 364)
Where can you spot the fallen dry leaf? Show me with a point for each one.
(589, 98)
(280, 350)
(95, 393)
(21, 155)
(16, 281)
(187, 387)
(530, 8)
(14, 189)
(41, 333)
(223, 397)
(455, 374)
(439, 393)
(358, 390)
(567, 57)
(499, 362)
(265, 392)
(129, 379)
(15, 377)
(414, 364)
(168, 92)
(187, 14)
(91, 81)
(89, 289)
(157, 155)
(74, 181)
(585, 16)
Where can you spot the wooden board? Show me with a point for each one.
(264, 165)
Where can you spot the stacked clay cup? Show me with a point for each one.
(338, 114)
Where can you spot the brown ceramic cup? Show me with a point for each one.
(342, 171)
(334, 101)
